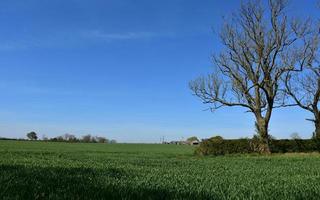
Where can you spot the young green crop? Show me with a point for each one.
(39, 170)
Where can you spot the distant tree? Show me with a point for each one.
(32, 136)
(94, 139)
(69, 137)
(193, 138)
(66, 136)
(73, 138)
(87, 138)
(59, 139)
(101, 139)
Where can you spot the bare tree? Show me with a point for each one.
(249, 69)
(87, 138)
(304, 86)
(102, 140)
(69, 137)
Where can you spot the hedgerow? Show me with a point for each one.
(220, 146)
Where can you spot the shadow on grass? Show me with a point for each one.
(20, 182)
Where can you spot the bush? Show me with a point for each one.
(219, 146)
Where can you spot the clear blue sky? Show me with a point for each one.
(120, 69)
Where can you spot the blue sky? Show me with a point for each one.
(120, 69)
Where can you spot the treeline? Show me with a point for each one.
(17, 139)
(72, 138)
(85, 139)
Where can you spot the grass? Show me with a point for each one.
(39, 170)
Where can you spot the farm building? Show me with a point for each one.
(194, 142)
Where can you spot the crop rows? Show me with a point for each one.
(37, 170)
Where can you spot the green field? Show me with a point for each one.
(39, 170)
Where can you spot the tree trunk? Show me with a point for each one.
(262, 129)
(317, 129)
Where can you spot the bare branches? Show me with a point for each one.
(258, 66)
(213, 90)
(258, 47)
(268, 61)
(303, 86)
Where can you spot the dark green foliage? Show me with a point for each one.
(218, 137)
(16, 139)
(219, 146)
(296, 145)
(32, 136)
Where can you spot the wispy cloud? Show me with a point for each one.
(74, 38)
(98, 34)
